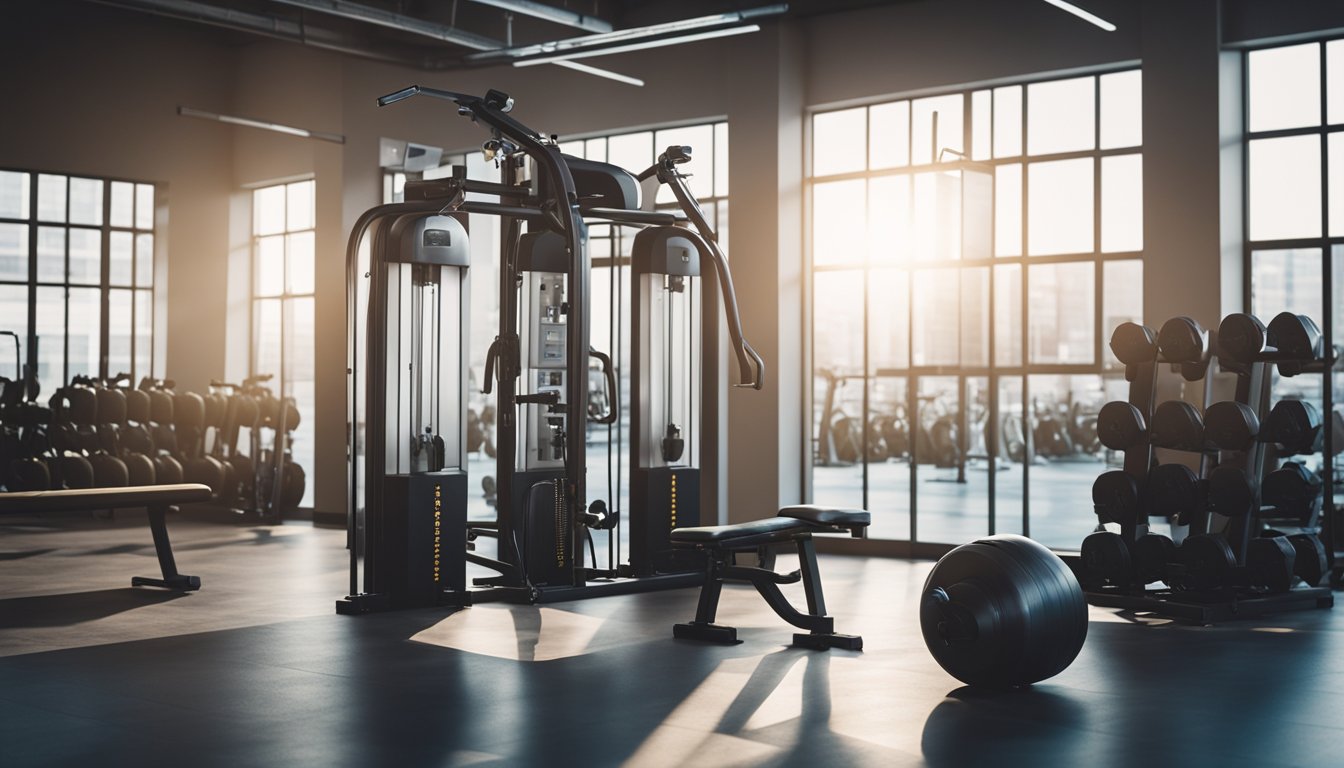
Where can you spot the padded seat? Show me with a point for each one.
(82, 499)
(707, 533)
(827, 515)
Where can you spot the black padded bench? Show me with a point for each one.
(721, 543)
(156, 499)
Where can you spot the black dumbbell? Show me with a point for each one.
(1105, 560)
(1206, 562)
(1115, 497)
(1176, 492)
(1311, 563)
(1293, 491)
(1294, 426)
(1269, 563)
(1154, 555)
(1177, 425)
(1134, 344)
(1183, 341)
(1230, 426)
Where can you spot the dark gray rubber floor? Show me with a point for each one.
(256, 670)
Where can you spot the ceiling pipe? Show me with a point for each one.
(550, 13)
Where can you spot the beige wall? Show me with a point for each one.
(104, 87)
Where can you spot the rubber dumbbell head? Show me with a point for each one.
(1296, 337)
(29, 474)
(1106, 561)
(1176, 492)
(1133, 344)
(109, 471)
(1293, 491)
(161, 407)
(1182, 340)
(1115, 497)
(1241, 338)
(1154, 555)
(1003, 611)
(1293, 425)
(1230, 426)
(81, 406)
(1230, 492)
(76, 472)
(139, 469)
(1269, 563)
(1120, 426)
(167, 470)
(111, 406)
(1206, 563)
(1177, 425)
(137, 406)
(1311, 562)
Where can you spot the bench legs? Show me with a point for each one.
(164, 549)
(821, 633)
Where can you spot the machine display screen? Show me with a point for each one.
(441, 237)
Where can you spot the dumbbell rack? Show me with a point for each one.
(1209, 578)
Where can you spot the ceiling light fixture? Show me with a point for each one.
(638, 46)
(1084, 15)
(290, 130)
(617, 76)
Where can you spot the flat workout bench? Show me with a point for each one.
(157, 499)
(721, 543)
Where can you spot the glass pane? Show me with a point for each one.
(839, 141)
(50, 197)
(838, 222)
(1335, 177)
(889, 235)
(937, 330)
(86, 201)
(889, 135)
(889, 461)
(953, 507)
(1008, 121)
(299, 383)
(144, 333)
(951, 111)
(270, 266)
(1060, 318)
(1008, 314)
(1285, 87)
(119, 258)
(1334, 81)
(118, 332)
(144, 206)
(1285, 187)
(51, 254)
(50, 336)
(574, 148)
(121, 210)
(1067, 456)
(721, 159)
(266, 336)
(1061, 116)
(700, 138)
(595, 149)
(1121, 300)
(268, 210)
(632, 151)
(299, 259)
(888, 320)
(1122, 109)
(13, 317)
(84, 331)
(86, 256)
(13, 195)
(1008, 210)
(299, 205)
(975, 317)
(13, 252)
(1059, 207)
(1012, 452)
(1122, 203)
(837, 337)
(937, 217)
(1286, 281)
(981, 125)
(144, 260)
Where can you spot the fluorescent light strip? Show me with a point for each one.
(289, 130)
(618, 77)
(1084, 15)
(640, 46)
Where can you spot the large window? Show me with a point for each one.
(1295, 192)
(282, 303)
(76, 274)
(971, 252)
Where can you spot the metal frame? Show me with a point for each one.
(993, 373)
(103, 285)
(1326, 244)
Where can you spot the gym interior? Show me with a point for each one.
(959, 384)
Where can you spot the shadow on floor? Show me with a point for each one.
(77, 607)
(23, 554)
(1017, 726)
